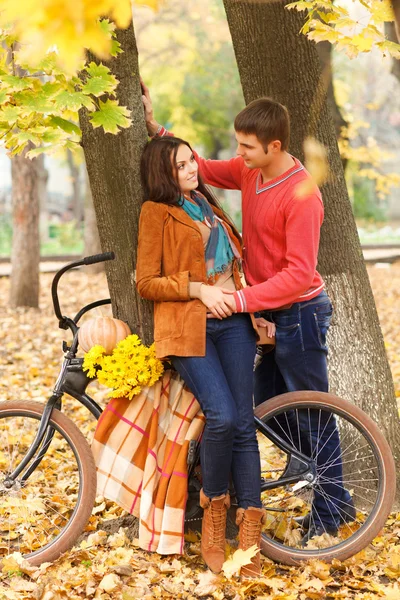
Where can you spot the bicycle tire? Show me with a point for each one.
(365, 528)
(68, 443)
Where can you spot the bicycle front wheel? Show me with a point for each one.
(353, 483)
(43, 516)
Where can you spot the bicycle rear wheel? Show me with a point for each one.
(368, 475)
(42, 517)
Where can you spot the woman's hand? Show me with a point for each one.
(213, 298)
(270, 327)
(151, 123)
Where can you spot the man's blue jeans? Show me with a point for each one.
(222, 381)
(299, 362)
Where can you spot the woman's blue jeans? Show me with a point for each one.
(299, 362)
(222, 381)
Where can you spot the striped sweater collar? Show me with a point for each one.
(260, 187)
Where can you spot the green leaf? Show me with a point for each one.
(100, 70)
(23, 137)
(51, 136)
(33, 101)
(65, 125)
(15, 84)
(41, 150)
(107, 26)
(111, 116)
(115, 47)
(73, 101)
(97, 86)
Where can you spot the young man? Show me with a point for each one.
(282, 214)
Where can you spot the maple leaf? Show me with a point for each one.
(362, 42)
(110, 116)
(232, 566)
(208, 583)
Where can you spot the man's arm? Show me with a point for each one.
(224, 174)
(302, 241)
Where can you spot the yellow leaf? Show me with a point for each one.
(381, 11)
(232, 566)
(61, 26)
(316, 160)
(362, 42)
(315, 584)
(110, 582)
(208, 583)
(16, 562)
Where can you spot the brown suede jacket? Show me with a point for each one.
(170, 255)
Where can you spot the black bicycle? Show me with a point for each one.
(48, 475)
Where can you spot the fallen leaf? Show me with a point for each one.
(232, 566)
(207, 584)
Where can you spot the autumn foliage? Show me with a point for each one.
(107, 563)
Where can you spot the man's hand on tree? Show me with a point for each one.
(151, 123)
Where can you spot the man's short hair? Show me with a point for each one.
(267, 119)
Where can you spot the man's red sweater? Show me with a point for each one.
(281, 230)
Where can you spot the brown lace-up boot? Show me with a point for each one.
(213, 530)
(250, 522)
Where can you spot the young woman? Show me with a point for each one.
(188, 254)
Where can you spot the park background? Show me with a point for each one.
(186, 56)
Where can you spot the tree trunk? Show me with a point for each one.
(391, 34)
(396, 9)
(75, 173)
(91, 232)
(43, 176)
(113, 166)
(25, 251)
(274, 59)
(324, 50)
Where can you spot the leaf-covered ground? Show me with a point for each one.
(107, 564)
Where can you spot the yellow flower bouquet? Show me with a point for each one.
(130, 367)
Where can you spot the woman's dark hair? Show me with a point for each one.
(157, 172)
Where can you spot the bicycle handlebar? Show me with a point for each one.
(96, 258)
(88, 260)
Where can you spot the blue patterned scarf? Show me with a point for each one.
(220, 250)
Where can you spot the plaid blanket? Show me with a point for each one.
(140, 449)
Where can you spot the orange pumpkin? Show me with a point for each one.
(105, 331)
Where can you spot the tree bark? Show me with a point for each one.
(113, 167)
(391, 34)
(43, 177)
(25, 251)
(324, 50)
(274, 59)
(91, 232)
(75, 173)
(396, 10)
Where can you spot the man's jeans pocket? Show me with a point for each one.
(323, 316)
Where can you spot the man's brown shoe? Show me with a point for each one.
(213, 530)
(250, 522)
